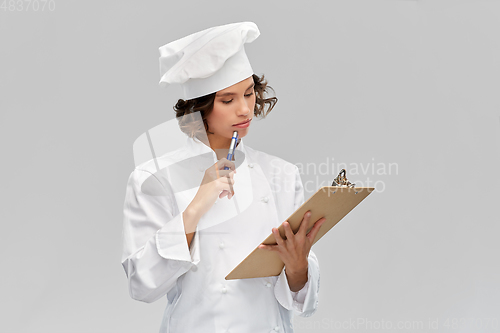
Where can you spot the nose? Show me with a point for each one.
(243, 107)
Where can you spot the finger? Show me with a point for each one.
(227, 185)
(217, 171)
(277, 237)
(219, 167)
(230, 181)
(226, 180)
(304, 224)
(227, 193)
(224, 162)
(289, 233)
(315, 229)
(226, 188)
(223, 172)
(268, 247)
(226, 173)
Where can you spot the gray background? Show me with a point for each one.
(408, 82)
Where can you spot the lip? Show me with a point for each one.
(243, 124)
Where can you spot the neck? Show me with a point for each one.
(219, 145)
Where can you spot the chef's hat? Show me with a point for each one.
(208, 61)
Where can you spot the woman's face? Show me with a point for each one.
(232, 106)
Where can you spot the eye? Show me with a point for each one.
(227, 102)
(248, 95)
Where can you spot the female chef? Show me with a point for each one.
(183, 242)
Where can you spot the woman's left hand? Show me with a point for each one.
(294, 250)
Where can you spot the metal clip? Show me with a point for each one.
(341, 180)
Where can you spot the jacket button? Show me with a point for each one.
(268, 285)
(250, 165)
(223, 290)
(221, 245)
(265, 199)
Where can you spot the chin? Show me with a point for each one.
(241, 132)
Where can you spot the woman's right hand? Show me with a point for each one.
(216, 182)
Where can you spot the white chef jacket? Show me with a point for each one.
(158, 261)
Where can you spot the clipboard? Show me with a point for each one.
(331, 202)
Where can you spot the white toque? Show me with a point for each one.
(208, 61)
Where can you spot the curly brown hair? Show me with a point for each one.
(205, 104)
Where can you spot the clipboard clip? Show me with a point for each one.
(341, 180)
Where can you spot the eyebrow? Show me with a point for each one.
(232, 93)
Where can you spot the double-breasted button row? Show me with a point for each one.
(264, 199)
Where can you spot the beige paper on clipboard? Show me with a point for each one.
(332, 202)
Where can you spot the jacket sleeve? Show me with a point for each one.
(305, 301)
(155, 250)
